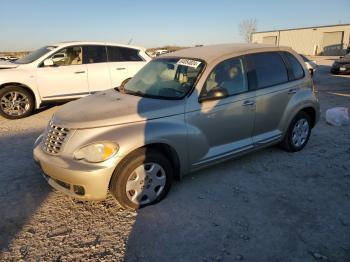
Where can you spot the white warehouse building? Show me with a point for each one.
(318, 40)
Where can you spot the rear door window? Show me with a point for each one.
(95, 54)
(123, 54)
(297, 69)
(270, 69)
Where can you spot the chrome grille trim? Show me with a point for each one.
(54, 139)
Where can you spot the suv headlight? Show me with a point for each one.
(96, 152)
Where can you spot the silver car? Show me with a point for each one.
(181, 112)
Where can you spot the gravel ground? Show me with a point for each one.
(266, 206)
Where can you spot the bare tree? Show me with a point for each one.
(246, 28)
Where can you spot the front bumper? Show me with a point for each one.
(79, 180)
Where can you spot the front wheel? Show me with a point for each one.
(142, 179)
(15, 102)
(298, 133)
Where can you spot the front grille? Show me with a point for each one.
(54, 138)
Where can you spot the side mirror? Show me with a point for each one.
(48, 62)
(214, 94)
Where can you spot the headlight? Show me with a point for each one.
(97, 152)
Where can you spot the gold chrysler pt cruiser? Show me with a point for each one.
(181, 112)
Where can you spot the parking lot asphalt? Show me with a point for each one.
(266, 206)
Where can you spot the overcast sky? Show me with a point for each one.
(29, 24)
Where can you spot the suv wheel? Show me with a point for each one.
(15, 102)
(298, 133)
(142, 179)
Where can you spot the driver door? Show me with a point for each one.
(221, 127)
(67, 78)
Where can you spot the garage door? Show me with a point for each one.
(270, 40)
(333, 43)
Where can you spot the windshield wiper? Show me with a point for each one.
(142, 94)
(136, 93)
(119, 89)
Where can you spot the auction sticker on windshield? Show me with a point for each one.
(188, 62)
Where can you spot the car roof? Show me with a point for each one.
(213, 52)
(68, 43)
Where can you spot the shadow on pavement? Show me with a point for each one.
(22, 189)
(266, 206)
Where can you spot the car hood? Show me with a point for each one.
(111, 107)
(7, 64)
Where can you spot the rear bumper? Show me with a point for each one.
(78, 180)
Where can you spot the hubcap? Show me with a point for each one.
(14, 103)
(300, 132)
(145, 183)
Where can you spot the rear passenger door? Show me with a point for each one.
(95, 58)
(274, 89)
(123, 63)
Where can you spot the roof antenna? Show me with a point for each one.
(130, 41)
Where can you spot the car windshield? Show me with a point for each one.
(31, 57)
(165, 78)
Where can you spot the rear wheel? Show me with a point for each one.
(298, 133)
(15, 102)
(142, 179)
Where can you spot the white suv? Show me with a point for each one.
(65, 71)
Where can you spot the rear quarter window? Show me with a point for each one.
(130, 54)
(269, 68)
(123, 54)
(295, 66)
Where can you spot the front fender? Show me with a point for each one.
(21, 77)
(170, 131)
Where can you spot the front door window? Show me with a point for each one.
(228, 75)
(68, 56)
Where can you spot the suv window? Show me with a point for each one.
(229, 75)
(95, 54)
(120, 54)
(295, 66)
(68, 56)
(270, 69)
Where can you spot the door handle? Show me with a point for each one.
(248, 103)
(79, 72)
(120, 68)
(293, 90)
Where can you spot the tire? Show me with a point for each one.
(129, 172)
(296, 137)
(21, 106)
